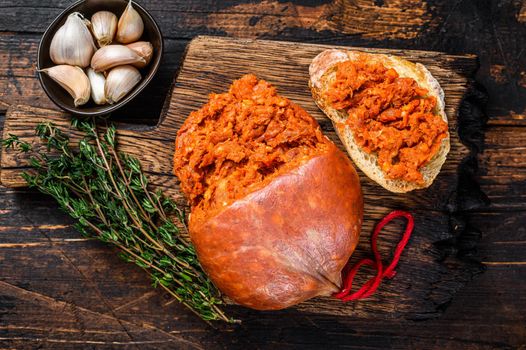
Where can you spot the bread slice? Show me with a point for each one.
(322, 72)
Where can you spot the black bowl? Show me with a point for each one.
(87, 8)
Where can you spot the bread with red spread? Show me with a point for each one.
(276, 207)
(388, 112)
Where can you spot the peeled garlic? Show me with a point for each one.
(97, 82)
(120, 82)
(114, 55)
(73, 79)
(104, 26)
(72, 43)
(143, 49)
(130, 26)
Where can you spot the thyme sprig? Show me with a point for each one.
(108, 195)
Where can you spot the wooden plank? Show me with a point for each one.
(431, 25)
(507, 119)
(504, 241)
(39, 304)
(155, 154)
(417, 268)
(416, 292)
(199, 74)
(502, 174)
(395, 20)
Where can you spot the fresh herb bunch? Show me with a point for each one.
(108, 195)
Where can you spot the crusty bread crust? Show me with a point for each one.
(322, 72)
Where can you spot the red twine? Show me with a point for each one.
(373, 283)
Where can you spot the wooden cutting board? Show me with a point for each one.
(426, 279)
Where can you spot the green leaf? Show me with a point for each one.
(10, 141)
(109, 136)
(149, 206)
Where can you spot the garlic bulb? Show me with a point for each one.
(120, 81)
(114, 55)
(143, 49)
(97, 82)
(72, 43)
(130, 26)
(73, 80)
(104, 26)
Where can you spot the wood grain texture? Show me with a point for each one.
(503, 172)
(417, 292)
(479, 316)
(492, 29)
(485, 314)
(392, 19)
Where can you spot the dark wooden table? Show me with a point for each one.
(60, 291)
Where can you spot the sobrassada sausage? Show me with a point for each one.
(276, 207)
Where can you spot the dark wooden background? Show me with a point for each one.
(60, 291)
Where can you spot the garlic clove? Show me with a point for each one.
(72, 44)
(104, 27)
(143, 49)
(73, 80)
(114, 55)
(97, 82)
(120, 81)
(130, 25)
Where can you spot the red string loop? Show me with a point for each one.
(374, 282)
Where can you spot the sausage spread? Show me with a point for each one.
(240, 139)
(389, 115)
